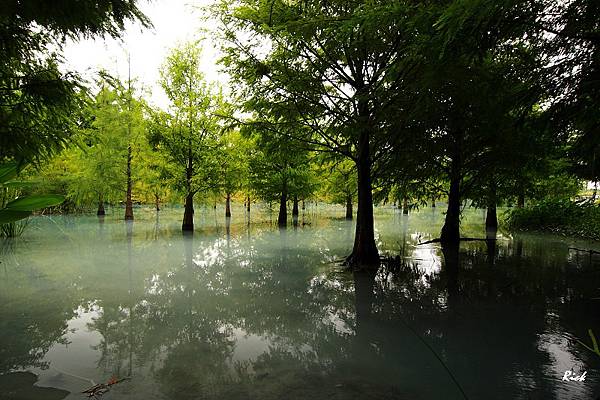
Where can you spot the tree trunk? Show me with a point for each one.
(432, 201)
(188, 213)
(282, 218)
(349, 207)
(451, 228)
(248, 204)
(157, 202)
(128, 203)
(295, 207)
(303, 205)
(101, 211)
(364, 252)
(491, 219)
(228, 206)
(405, 206)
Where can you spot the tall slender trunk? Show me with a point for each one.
(451, 228)
(295, 207)
(491, 219)
(248, 203)
(432, 201)
(303, 205)
(188, 212)
(364, 251)
(282, 218)
(349, 207)
(405, 206)
(101, 211)
(157, 201)
(128, 202)
(228, 206)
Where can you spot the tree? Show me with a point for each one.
(39, 103)
(340, 186)
(467, 94)
(327, 70)
(188, 133)
(232, 157)
(276, 174)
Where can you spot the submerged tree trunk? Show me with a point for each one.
(228, 206)
(282, 218)
(491, 219)
(295, 211)
(349, 207)
(451, 228)
(101, 211)
(128, 202)
(405, 206)
(364, 252)
(188, 212)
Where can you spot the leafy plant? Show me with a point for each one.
(12, 208)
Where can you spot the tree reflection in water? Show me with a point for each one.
(261, 315)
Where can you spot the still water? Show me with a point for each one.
(242, 310)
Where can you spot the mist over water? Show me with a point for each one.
(243, 310)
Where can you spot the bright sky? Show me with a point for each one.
(175, 21)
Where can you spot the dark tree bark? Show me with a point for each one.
(128, 202)
(349, 207)
(451, 228)
(101, 211)
(491, 219)
(295, 211)
(248, 203)
(405, 206)
(228, 206)
(188, 212)
(303, 205)
(432, 201)
(364, 252)
(157, 202)
(282, 218)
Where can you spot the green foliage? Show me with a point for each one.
(188, 134)
(339, 183)
(40, 105)
(561, 216)
(278, 169)
(13, 207)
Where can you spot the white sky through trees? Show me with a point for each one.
(175, 22)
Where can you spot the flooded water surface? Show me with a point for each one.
(243, 310)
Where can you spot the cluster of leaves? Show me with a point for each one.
(14, 207)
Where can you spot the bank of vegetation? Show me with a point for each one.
(559, 216)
